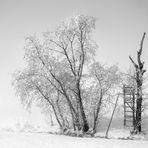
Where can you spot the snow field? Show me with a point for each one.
(45, 140)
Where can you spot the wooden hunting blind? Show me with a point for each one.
(129, 106)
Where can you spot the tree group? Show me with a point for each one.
(62, 75)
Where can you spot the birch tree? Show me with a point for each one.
(60, 60)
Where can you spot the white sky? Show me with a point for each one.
(119, 28)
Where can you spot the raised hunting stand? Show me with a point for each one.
(129, 106)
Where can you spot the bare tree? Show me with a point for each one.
(139, 68)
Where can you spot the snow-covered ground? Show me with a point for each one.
(119, 137)
(30, 135)
(45, 140)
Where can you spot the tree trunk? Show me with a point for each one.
(85, 126)
(55, 113)
(139, 80)
(73, 119)
(97, 112)
(139, 107)
(138, 115)
(60, 113)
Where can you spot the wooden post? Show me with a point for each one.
(106, 135)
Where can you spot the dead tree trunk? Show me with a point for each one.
(139, 81)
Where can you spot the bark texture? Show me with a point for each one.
(139, 67)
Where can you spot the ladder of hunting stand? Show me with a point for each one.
(129, 106)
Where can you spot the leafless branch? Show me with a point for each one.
(55, 50)
(141, 44)
(136, 66)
